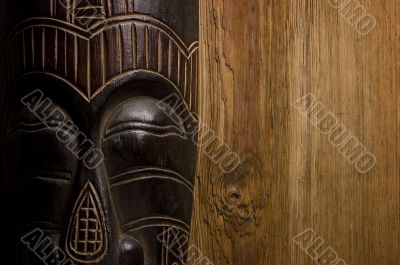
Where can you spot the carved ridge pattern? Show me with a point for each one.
(69, 46)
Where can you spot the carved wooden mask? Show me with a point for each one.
(93, 165)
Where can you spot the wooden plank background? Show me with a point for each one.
(257, 58)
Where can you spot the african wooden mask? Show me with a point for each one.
(97, 163)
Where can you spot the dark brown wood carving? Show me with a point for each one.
(97, 167)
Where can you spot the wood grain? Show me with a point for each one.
(258, 57)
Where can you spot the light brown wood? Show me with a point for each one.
(257, 58)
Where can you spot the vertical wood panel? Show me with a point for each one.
(257, 58)
(356, 77)
(243, 215)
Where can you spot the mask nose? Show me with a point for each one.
(87, 237)
(130, 252)
(92, 235)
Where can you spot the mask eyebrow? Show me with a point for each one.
(54, 175)
(133, 126)
(34, 127)
(28, 121)
(143, 114)
(140, 173)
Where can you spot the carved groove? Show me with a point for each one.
(183, 80)
(88, 217)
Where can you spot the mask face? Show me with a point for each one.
(98, 131)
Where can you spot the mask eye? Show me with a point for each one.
(40, 169)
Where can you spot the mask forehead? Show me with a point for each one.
(92, 44)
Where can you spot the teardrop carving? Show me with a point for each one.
(86, 236)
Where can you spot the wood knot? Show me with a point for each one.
(240, 195)
(233, 195)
